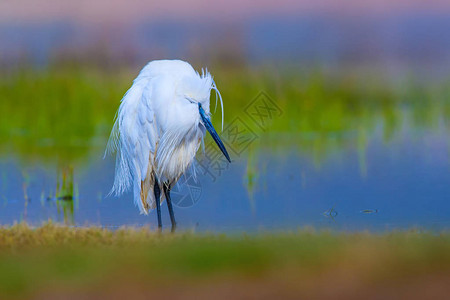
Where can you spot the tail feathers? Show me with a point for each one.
(137, 198)
(144, 194)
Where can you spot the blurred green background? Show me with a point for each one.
(361, 142)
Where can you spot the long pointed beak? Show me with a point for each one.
(212, 131)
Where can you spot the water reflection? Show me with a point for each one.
(65, 193)
(406, 185)
(251, 175)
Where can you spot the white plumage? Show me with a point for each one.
(158, 128)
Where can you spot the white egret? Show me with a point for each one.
(158, 129)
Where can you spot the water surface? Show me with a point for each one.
(317, 155)
(402, 184)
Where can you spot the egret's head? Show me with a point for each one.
(197, 88)
(198, 92)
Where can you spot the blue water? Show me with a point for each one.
(400, 184)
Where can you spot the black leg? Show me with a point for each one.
(157, 192)
(166, 189)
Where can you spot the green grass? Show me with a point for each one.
(61, 112)
(51, 257)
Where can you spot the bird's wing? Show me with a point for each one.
(134, 138)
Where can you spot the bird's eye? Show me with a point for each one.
(190, 100)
